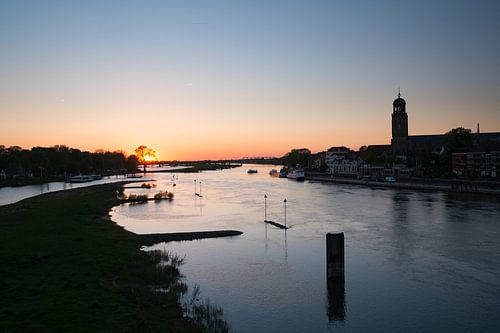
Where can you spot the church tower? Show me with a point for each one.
(399, 140)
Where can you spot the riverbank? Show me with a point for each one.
(16, 182)
(470, 187)
(65, 268)
(198, 167)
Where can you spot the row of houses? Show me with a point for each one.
(344, 162)
(476, 164)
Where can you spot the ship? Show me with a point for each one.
(297, 174)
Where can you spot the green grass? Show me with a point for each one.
(63, 268)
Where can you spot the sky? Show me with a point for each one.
(230, 79)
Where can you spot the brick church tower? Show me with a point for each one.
(399, 140)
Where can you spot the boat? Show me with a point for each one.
(297, 174)
(274, 173)
(283, 172)
(80, 179)
(95, 176)
(252, 171)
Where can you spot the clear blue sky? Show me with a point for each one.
(271, 75)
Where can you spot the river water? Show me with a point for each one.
(414, 261)
(14, 194)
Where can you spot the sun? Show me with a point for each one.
(149, 158)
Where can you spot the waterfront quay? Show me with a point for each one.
(457, 186)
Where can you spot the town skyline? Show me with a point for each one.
(199, 81)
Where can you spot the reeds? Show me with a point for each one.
(137, 197)
(205, 314)
(163, 195)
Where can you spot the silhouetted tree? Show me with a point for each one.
(297, 156)
(58, 161)
(458, 140)
(145, 154)
(132, 163)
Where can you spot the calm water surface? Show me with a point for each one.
(10, 194)
(415, 261)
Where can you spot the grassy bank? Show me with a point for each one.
(66, 268)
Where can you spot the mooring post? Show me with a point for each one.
(265, 207)
(335, 276)
(285, 212)
(195, 186)
(200, 188)
(335, 255)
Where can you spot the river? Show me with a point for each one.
(414, 261)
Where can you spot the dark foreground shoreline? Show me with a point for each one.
(66, 268)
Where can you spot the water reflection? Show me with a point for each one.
(10, 195)
(405, 255)
(336, 299)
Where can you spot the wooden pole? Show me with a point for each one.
(335, 276)
(285, 212)
(335, 255)
(265, 207)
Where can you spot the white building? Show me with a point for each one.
(341, 161)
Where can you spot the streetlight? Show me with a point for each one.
(285, 212)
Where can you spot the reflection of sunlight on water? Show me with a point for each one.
(406, 255)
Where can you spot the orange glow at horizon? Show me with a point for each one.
(212, 130)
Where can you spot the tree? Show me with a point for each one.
(132, 163)
(145, 154)
(297, 156)
(458, 140)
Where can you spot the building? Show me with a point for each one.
(317, 161)
(342, 161)
(336, 153)
(476, 164)
(403, 144)
(399, 141)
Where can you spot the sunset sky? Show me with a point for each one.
(228, 79)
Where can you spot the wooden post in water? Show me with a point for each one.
(285, 212)
(265, 207)
(195, 186)
(335, 255)
(335, 276)
(200, 188)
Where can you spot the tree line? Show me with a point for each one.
(61, 160)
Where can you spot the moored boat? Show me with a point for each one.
(252, 171)
(80, 179)
(283, 172)
(297, 174)
(274, 173)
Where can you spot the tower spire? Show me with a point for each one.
(399, 92)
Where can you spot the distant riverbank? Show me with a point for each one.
(62, 263)
(456, 186)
